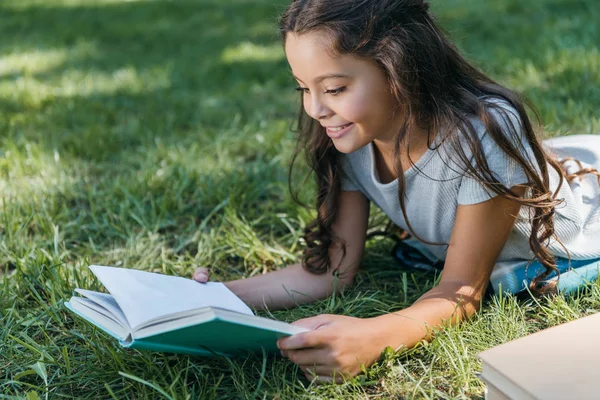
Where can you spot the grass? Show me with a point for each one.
(155, 135)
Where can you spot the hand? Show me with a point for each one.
(335, 349)
(201, 275)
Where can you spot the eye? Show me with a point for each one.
(302, 89)
(334, 92)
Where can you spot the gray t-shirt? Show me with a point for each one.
(436, 186)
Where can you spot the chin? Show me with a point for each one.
(346, 147)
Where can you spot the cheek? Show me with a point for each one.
(355, 109)
(371, 106)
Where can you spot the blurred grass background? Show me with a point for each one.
(155, 135)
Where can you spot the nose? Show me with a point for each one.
(317, 109)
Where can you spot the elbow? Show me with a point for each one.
(466, 297)
(342, 282)
(462, 289)
(342, 277)
(468, 300)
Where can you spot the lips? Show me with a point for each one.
(336, 132)
(337, 128)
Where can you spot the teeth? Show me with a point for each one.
(338, 128)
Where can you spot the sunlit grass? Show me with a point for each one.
(32, 62)
(250, 52)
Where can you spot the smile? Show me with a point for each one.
(338, 131)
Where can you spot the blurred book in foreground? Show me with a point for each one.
(557, 363)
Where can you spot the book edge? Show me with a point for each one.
(92, 322)
(212, 313)
(489, 356)
(141, 344)
(503, 383)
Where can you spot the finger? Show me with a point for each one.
(300, 341)
(306, 339)
(201, 270)
(317, 377)
(316, 370)
(308, 357)
(201, 275)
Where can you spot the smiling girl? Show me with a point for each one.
(393, 114)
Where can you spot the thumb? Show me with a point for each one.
(201, 275)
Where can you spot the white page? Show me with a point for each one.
(95, 314)
(143, 296)
(106, 301)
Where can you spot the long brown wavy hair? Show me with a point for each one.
(435, 88)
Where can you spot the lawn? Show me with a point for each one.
(156, 135)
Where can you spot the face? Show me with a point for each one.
(347, 95)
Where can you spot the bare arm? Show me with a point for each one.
(329, 351)
(479, 234)
(293, 285)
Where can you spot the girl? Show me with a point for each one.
(393, 114)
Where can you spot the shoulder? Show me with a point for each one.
(503, 113)
(500, 130)
(499, 148)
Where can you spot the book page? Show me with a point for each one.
(107, 302)
(98, 316)
(143, 296)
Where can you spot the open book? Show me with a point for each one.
(172, 314)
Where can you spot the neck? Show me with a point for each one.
(385, 162)
(417, 141)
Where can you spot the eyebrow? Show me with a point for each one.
(326, 76)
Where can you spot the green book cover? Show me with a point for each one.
(172, 314)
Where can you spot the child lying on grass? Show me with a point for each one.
(393, 114)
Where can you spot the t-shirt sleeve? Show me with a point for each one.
(347, 177)
(505, 169)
